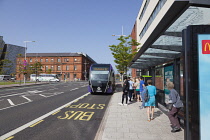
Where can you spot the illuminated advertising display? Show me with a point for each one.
(204, 84)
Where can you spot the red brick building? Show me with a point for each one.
(133, 36)
(67, 66)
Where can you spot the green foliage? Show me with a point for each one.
(123, 52)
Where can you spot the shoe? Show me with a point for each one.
(148, 120)
(125, 104)
(141, 107)
(152, 118)
(120, 103)
(175, 129)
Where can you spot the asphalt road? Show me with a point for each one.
(51, 112)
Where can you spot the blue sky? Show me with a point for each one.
(68, 25)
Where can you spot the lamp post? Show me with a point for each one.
(25, 62)
(121, 34)
(85, 70)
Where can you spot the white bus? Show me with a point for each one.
(44, 77)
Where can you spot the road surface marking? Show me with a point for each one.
(36, 123)
(13, 132)
(27, 98)
(56, 112)
(10, 138)
(74, 89)
(44, 95)
(10, 101)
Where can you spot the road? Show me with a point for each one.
(51, 111)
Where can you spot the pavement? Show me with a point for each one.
(130, 122)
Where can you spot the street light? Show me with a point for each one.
(25, 60)
(121, 34)
(85, 70)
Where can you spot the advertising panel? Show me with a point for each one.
(168, 76)
(204, 84)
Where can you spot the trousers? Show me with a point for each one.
(173, 116)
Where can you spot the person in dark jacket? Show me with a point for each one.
(125, 92)
(177, 104)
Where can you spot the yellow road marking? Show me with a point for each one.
(9, 138)
(36, 123)
(56, 112)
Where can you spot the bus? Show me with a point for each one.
(44, 78)
(101, 79)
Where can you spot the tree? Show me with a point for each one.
(123, 52)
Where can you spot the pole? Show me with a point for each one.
(85, 71)
(24, 80)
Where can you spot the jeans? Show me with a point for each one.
(131, 91)
(142, 97)
(125, 95)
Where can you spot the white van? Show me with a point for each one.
(5, 77)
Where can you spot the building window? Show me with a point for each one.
(46, 60)
(75, 67)
(67, 67)
(59, 60)
(41, 60)
(66, 60)
(59, 68)
(152, 17)
(52, 68)
(52, 60)
(46, 67)
(75, 59)
(30, 60)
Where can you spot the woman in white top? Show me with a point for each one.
(137, 86)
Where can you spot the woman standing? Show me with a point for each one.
(174, 98)
(150, 104)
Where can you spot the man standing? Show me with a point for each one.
(125, 92)
(142, 85)
(131, 91)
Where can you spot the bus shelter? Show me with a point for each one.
(163, 54)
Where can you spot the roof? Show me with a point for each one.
(51, 54)
(164, 44)
(59, 55)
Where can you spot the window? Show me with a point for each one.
(75, 59)
(67, 67)
(46, 67)
(46, 60)
(41, 60)
(59, 68)
(66, 60)
(52, 68)
(59, 60)
(52, 60)
(75, 67)
(30, 60)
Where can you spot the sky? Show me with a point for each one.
(68, 26)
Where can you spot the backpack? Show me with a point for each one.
(146, 95)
